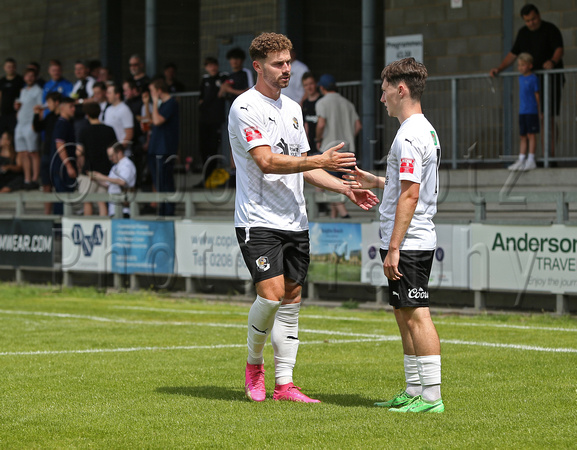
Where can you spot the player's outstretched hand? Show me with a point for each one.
(338, 162)
(360, 179)
(364, 199)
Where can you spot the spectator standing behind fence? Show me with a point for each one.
(46, 125)
(26, 139)
(338, 121)
(529, 113)
(212, 114)
(136, 66)
(118, 116)
(99, 95)
(11, 178)
(10, 85)
(63, 152)
(57, 82)
(238, 81)
(163, 143)
(36, 68)
(122, 176)
(310, 117)
(295, 89)
(544, 42)
(133, 100)
(174, 85)
(91, 154)
(81, 91)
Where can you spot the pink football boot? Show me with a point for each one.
(291, 393)
(254, 382)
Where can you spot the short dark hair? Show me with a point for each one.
(210, 60)
(99, 85)
(81, 61)
(10, 60)
(54, 62)
(308, 75)
(159, 84)
(236, 53)
(131, 83)
(54, 96)
(91, 109)
(116, 87)
(35, 64)
(66, 100)
(170, 65)
(528, 9)
(94, 64)
(407, 70)
(30, 69)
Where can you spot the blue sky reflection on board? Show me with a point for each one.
(339, 238)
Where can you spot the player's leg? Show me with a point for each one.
(285, 332)
(262, 253)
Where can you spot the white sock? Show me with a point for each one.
(285, 342)
(531, 157)
(412, 375)
(430, 375)
(522, 157)
(260, 322)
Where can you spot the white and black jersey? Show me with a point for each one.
(415, 156)
(267, 200)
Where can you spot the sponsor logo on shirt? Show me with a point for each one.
(407, 165)
(288, 149)
(262, 264)
(252, 133)
(418, 293)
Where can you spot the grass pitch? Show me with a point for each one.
(84, 369)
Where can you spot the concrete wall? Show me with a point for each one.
(470, 39)
(42, 30)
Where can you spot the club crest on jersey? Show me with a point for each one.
(295, 123)
(407, 165)
(262, 264)
(434, 137)
(252, 133)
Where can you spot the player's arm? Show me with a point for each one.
(507, 61)
(269, 162)
(405, 209)
(364, 199)
(321, 123)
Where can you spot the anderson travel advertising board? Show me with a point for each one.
(524, 258)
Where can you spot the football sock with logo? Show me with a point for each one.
(412, 375)
(285, 342)
(260, 322)
(430, 375)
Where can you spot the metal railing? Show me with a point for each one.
(465, 110)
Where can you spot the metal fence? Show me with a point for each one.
(476, 117)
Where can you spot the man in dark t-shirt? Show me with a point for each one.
(310, 116)
(10, 85)
(93, 142)
(544, 42)
(63, 152)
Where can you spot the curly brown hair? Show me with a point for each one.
(266, 43)
(408, 70)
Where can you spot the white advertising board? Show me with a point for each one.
(399, 47)
(208, 249)
(524, 258)
(86, 245)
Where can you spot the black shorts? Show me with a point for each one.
(269, 252)
(528, 124)
(412, 290)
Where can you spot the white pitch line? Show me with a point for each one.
(304, 330)
(356, 319)
(179, 347)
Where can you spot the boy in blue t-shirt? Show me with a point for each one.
(529, 113)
